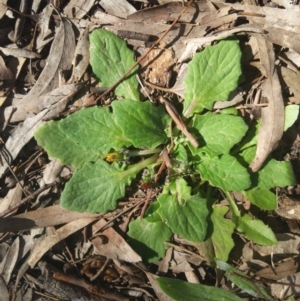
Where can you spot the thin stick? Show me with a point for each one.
(118, 215)
(28, 198)
(149, 194)
(180, 124)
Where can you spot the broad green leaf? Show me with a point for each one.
(243, 281)
(249, 153)
(81, 137)
(58, 145)
(222, 232)
(262, 198)
(182, 290)
(181, 190)
(224, 172)
(110, 58)
(96, 129)
(256, 230)
(147, 238)
(217, 133)
(212, 75)
(188, 220)
(179, 153)
(96, 187)
(180, 161)
(291, 115)
(141, 122)
(250, 140)
(276, 174)
(273, 173)
(151, 214)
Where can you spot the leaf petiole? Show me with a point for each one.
(141, 165)
(235, 210)
(134, 153)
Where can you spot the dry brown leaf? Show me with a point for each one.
(272, 123)
(51, 171)
(15, 65)
(141, 28)
(81, 57)
(45, 34)
(24, 132)
(47, 242)
(3, 8)
(13, 197)
(164, 13)
(293, 56)
(287, 244)
(77, 9)
(115, 247)
(192, 277)
(18, 52)
(282, 37)
(3, 287)
(273, 17)
(6, 78)
(60, 58)
(291, 80)
(281, 291)
(164, 264)
(280, 270)
(45, 217)
(118, 8)
(289, 208)
(20, 21)
(157, 63)
(194, 44)
(8, 263)
(180, 262)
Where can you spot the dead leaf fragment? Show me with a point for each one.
(45, 217)
(6, 79)
(289, 208)
(281, 270)
(118, 8)
(287, 244)
(282, 291)
(115, 247)
(272, 123)
(46, 242)
(9, 261)
(157, 63)
(196, 43)
(60, 58)
(77, 9)
(17, 52)
(163, 13)
(3, 8)
(45, 34)
(81, 57)
(13, 197)
(3, 287)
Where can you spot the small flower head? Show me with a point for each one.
(114, 157)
